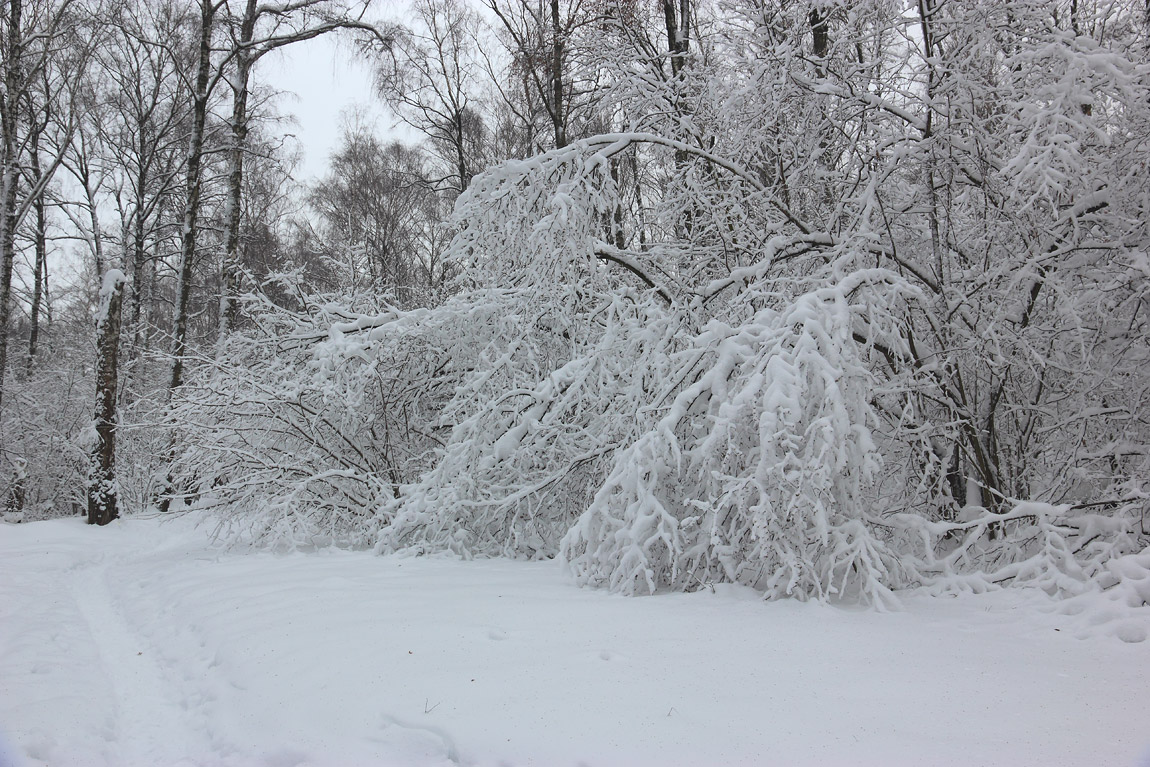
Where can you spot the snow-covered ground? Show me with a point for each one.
(143, 644)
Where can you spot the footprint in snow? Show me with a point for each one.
(1131, 633)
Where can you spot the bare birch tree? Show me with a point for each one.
(430, 78)
(256, 31)
(45, 47)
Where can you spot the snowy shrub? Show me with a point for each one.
(295, 435)
(757, 473)
(531, 442)
(1063, 550)
(549, 394)
(45, 433)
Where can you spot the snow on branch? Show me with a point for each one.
(757, 471)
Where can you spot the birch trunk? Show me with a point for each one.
(41, 236)
(194, 187)
(9, 123)
(233, 269)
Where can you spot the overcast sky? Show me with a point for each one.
(322, 77)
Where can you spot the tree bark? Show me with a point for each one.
(9, 123)
(139, 259)
(18, 490)
(678, 46)
(678, 33)
(233, 268)
(558, 111)
(820, 36)
(460, 158)
(188, 236)
(41, 247)
(93, 217)
(194, 188)
(102, 492)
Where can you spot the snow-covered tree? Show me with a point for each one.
(843, 300)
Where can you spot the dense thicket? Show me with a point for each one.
(120, 155)
(825, 298)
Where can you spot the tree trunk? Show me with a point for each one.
(820, 37)
(460, 158)
(7, 258)
(558, 111)
(233, 263)
(678, 46)
(9, 123)
(194, 188)
(617, 237)
(94, 218)
(139, 259)
(37, 268)
(678, 33)
(102, 491)
(18, 490)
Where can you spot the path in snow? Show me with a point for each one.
(149, 718)
(99, 695)
(141, 644)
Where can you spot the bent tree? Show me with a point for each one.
(848, 301)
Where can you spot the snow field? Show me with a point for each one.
(144, 644)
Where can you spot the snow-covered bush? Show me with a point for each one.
(46, 431)
(758, 472)
(554, 345)
(296, 435)
(530, 441)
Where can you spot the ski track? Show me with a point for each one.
(148, 727)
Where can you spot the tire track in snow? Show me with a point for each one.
(149, 724)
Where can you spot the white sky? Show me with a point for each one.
(322, 78)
